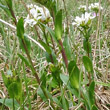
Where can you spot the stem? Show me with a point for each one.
(51, 57)
(66, 16)
(13, 104)
(12, 13)
(32, 66)
(35, 74)
(63, 53)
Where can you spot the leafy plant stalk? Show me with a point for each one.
(29, 58)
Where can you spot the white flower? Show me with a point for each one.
(37, 14)
(82, 8)
(84, 20)
(95, 7)
(29, 21)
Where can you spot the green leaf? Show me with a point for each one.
(43, 79)
(74, 74)
(64, 78)
(65, 103)
(94, 107)
(9, 103)
(58, 25)
(22, 37)
(67, 47)
(24, 59)
(15, 89)
(27, 43)
(52, 33)
(41, 94)
(9, 3)
(20, 28)
(56, 71)
(88, 64)
(91, 93)
(47, 48)
(87, 46)
(7, 80)
(5, 9)
(53, 56)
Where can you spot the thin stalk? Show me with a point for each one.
(51, 57)
(27, 91)
(63, 53)
(13, 104)
(97, 31)
(12, 13)
(66, 16)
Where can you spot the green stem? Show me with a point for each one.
(51, 57)
(13, 104)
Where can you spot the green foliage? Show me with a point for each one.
(52, 83)
(9, 103)
(14, 86)
(58, 25)
(9, 3)
(22, 37)
(47, 48)
(20, 28)
(67, 47)
(87, 46)
(91, 93)
(5, 9)
(88, 64)
(74, 74)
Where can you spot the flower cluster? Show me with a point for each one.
(84, 21)
(82, 8)
(95, 7)
(36, 14)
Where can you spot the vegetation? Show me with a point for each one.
(54, 55)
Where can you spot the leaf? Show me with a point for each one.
(94, 107)
(47, 48)
(65, 103)
(52, 55)
(27, 43)
(91, 93)
(7, 80)
(15, 89)
(5, 9)
(24, 59)
(20, 28)
(64, 78)
(43, 79)
(74, 74)
(56, 71)
(88, 64)
(58, 25)
(9, 103)
(87, 46)
(67, 47)
(22, 37)
(52, 33)
(41, 94)
(9, 3)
